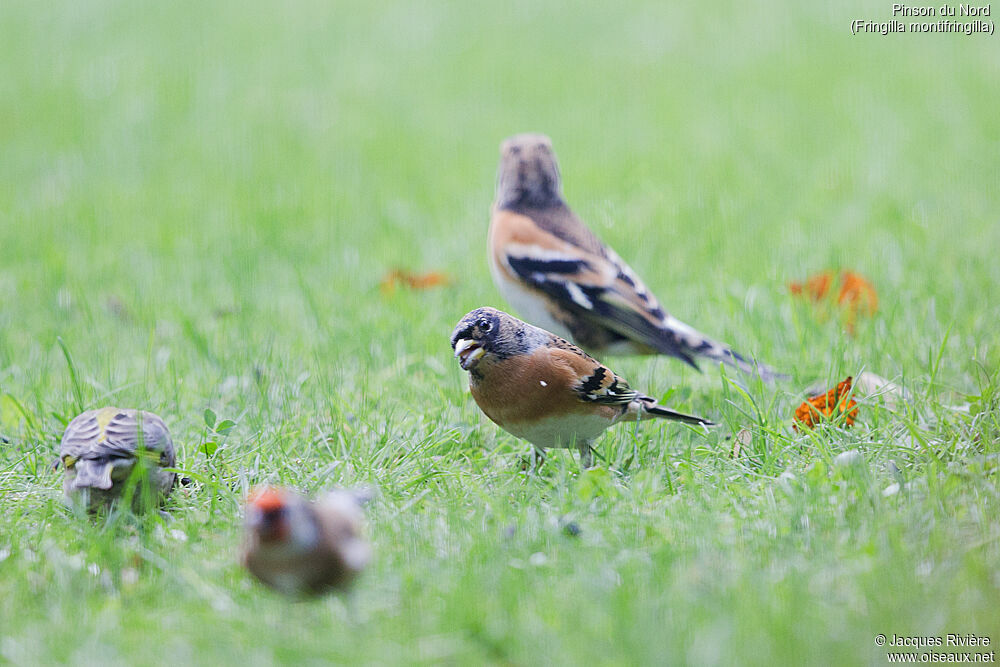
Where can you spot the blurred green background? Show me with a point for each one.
(200, 200)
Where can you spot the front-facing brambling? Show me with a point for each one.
(101, 448)
(299, 547)
(560, 276)
(540, 387)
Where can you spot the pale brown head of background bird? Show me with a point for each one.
(529, 174)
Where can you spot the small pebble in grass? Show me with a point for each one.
(851, 457)
(301, 547)
(117, 307)
(787, 480)
(875, 385)
(538, 559)
(743, 439)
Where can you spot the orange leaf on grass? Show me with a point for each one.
(855, 294)
(821, 407)
(412, 280)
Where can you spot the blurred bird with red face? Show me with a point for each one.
(301, 547)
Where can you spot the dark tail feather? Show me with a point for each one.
(737, 360)
(682, 341)
(650, 409)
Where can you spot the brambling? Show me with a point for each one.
(560, 276)
(297, 546)
(540, 387)
(100, 449)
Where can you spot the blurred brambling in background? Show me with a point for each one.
(542, 388)
(560, 276)
(101, 448)
(297, 546)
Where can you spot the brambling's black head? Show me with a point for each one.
(476, 335)
(529, 174)
(488, 334)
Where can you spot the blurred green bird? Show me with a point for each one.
(100, 450)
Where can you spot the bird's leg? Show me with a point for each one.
(537, 459)
(586, 455)
(534, 461)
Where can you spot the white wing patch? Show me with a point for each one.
(624, 269)
(539, 253)
(687, 333)
(575, 293)
(530, 306)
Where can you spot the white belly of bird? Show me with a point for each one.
(566, 431)
(528, 305)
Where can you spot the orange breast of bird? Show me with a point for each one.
(533, 387)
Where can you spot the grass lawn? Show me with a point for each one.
(200, 200)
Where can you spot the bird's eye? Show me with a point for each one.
(484, 325)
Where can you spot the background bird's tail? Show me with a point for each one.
(687, 343)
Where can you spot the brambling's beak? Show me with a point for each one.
(469, 352)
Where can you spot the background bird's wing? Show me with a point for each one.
(604, 291)
(593, 285)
